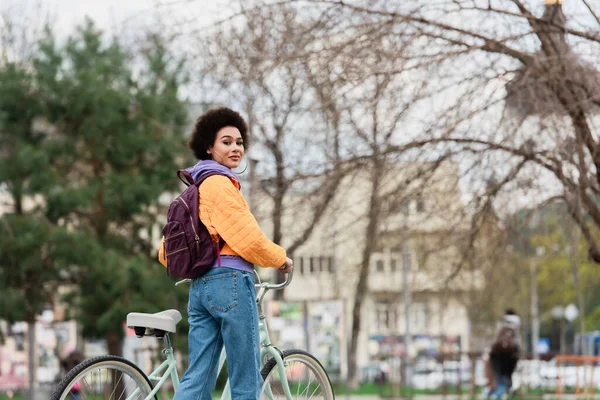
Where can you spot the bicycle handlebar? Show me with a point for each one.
(278, 286)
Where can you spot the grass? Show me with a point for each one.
(371, 389)
(374, 389)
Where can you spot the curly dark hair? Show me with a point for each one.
(208, 124)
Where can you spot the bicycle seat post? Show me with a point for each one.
(168, 347)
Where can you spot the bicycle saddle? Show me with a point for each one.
(153, 324)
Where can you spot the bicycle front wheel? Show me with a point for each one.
(307, 379)
(104, 377)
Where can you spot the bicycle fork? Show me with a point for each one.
(269, 350)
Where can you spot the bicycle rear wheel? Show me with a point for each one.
(106, 378)
(306, 377)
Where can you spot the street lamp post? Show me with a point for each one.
(558, 314)
(535, 316)
(407, 301)
(562, 314)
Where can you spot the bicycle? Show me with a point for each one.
(287, 374)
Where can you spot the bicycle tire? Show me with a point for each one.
(289, 357)
(81, 371)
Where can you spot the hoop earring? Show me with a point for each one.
(244, 170)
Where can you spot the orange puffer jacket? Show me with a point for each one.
(225, 214)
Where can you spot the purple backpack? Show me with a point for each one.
(189, 249)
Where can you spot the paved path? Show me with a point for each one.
(44, 394)
(341, 396)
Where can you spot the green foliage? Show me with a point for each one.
(26, 267)
(28, 275)
(118, 124)
(94, 131)
(555, 276)
(507, 264)
(22, 169)
(553, 232)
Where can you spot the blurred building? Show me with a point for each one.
(55, 338)
(430, 215)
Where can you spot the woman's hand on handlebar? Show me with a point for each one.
(288, 266)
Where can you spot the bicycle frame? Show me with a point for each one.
(168, 369)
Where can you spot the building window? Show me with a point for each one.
(379, 266)
(405, 207)
(420, 316)
(316, 265)
(393, 265)
(420, 205)
(385, 316)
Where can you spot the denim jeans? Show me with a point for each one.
(502, 385)
(222, 311)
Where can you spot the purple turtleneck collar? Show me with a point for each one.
(204, 167)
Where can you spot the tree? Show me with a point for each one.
(114, 144)
(22, 24)
(269, 65)
(28, 274)
(370, 111)
(562, 279)
(483, 115)
(393, 182)
(508, 273)
(504, 269)
(518, 115)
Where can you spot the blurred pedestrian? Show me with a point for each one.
(383, 376)
(504, 354)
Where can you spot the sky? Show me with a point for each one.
(116, 15)
(107, 13)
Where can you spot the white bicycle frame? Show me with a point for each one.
(168, 369)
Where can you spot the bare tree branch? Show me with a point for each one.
(589, 7)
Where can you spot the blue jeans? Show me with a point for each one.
(222, 310)
(502, 385)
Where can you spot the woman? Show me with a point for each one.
(222, 303)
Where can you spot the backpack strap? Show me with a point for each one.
(204, 177)
(221, 242)
(185, 177)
